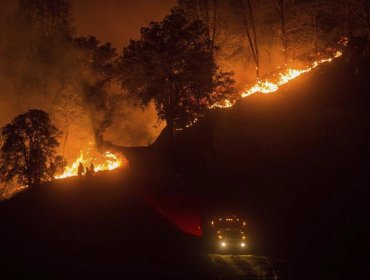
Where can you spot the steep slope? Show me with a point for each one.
(105, 229)
(296, 163)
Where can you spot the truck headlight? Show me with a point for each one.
(223, 244)
(242, 244)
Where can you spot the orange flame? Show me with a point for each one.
(269, 86)
(101, 162)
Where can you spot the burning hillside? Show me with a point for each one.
(272, 83)
(101, 161)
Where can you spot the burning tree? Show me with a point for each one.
(29, 150)
(173, 65)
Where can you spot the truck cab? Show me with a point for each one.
(228, 233)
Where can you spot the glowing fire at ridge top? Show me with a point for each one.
(101, 162)
(267, 86)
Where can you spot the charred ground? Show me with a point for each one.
(295, 163)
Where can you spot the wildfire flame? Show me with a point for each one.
(101, 161)
(273, 84)
(111, 161)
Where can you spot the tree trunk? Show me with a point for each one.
(65, 138)
(284, 43)
(208, 14)
(251, 33)
(254, 34)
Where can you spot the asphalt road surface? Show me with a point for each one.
(242, 267)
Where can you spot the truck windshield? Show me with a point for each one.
(229, 224)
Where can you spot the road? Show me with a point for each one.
(242, 267)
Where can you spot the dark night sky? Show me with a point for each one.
(117, 20)
(110, 20)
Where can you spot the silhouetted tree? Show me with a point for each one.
(69, 109)
(207, 11)
(298, 24)
(245, 9)
(280, 5)
(56, 166)
(29, 151)
(353, 17)
(51, 18)
(172, 64)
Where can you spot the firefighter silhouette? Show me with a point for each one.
(80, 170)
(92, 169)
(89, 173)
(52, 170)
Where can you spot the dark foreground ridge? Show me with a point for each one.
(100, 230)
(295, 163)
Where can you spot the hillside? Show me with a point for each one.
(107, 229)
(295, 163)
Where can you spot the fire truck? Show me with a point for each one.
(228, 233)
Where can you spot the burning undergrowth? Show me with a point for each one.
(9, 190)
(101, 161)
(272, 83)
(89, 157)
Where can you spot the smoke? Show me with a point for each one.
(26, 83)
(116, 22)
(134, 127)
